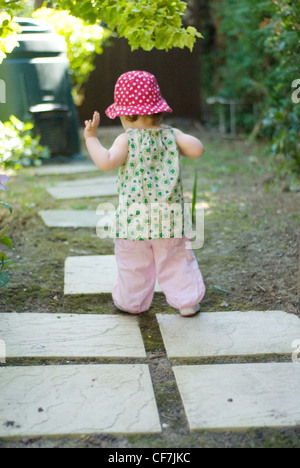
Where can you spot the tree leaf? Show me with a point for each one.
(6, 206)
(3, 257)
(194, 196)
(4, 278)
(7, 263)
(3, 232)
(7, 241)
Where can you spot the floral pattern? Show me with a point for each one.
(150, 187)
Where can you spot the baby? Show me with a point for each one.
(149, 241)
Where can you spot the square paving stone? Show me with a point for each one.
(240, 396)
(75, 218)
(64, 169)
(229, 333)
(70, 335)
(91, 274)
(83, 189)
(110, 180)
(77, 399)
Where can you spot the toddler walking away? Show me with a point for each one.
(149, 235)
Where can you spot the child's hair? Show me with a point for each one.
(156, 117)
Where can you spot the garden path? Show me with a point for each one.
(115, 394)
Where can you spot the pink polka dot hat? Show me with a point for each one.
(137, 93)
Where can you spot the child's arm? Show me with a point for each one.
(105, 160)
(189, 146)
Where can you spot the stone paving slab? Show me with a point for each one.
(91, 274)
(229, 333)
(71, 335)
(77, 399)
(75, 218)
(64, 169)
(240, 396)
(109, 180)
(82, 191)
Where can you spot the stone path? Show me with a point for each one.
(77, 399)
(235, 396)
(91, 275)
(229, 334)
(64, 169)
(71, 335)
(118, 398)
(70, 218)
(115, 398)
(85, 188)
(104, 181)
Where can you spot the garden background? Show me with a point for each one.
(235, 51)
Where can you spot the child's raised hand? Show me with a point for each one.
(91, 126)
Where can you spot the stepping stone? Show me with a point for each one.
(91, 181)
(229, 333)
(2, 352)
(71, 335)
(240, 396)
(75, 218)
(91, 274)
(76, 400)
(64, 169)
(82, 191)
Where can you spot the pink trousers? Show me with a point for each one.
(168, 260)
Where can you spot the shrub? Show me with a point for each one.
(256, 62)
(18, 146)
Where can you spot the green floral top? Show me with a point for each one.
(150, 187)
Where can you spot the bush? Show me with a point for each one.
(18, 146)
(257, 60)
(8, 29)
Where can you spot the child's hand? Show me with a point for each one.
(91, 126)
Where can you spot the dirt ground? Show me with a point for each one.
(249, 261)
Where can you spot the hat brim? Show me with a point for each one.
(116, 111)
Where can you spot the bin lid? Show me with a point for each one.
(29, 26)
(37, 38)
(51, 107)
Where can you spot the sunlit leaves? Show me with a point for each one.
(147, 23)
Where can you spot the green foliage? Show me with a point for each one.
(18, 146)
(283, 116)
(8, 30)
(4, 262)
(194, 200)
(147, 24)
(84, 42)
(256, 62)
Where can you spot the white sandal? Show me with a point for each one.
(189, 311)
